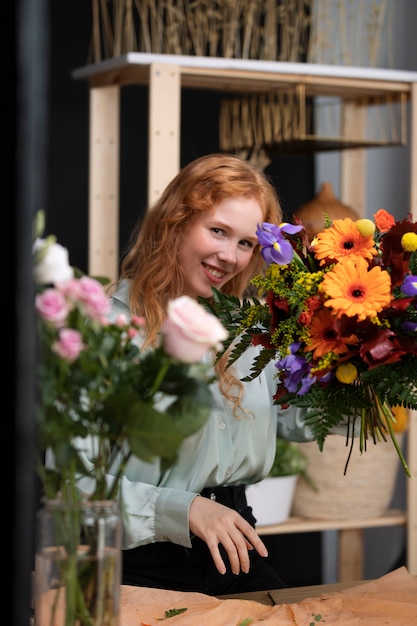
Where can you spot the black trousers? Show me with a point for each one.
(166, 565)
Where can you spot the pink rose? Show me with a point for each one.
(94, 298)
(138, 321)
(70, 344)
(189, 330)
(121, 320)
(71, 289)
(52, 306)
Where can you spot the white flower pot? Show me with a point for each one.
(271, 499)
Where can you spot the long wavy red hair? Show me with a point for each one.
(151, 261)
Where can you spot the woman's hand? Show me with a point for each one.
(217, 524)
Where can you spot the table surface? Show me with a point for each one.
(290, 595)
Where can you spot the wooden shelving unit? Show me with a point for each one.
(350, 537)
(392, 517)
(166, 76)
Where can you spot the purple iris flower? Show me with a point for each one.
(409, 327)
(409, 286)
(295, 367)
(291, 361)
(293, 380)
(274, 247)
(309, 380)
(327, 377)
(306, 383)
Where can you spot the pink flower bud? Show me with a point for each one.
(52, 306)
(189, 330)
(70, 344)
(94, 298)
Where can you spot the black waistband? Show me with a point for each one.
(233, 496)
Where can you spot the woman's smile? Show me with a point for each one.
(214, 273)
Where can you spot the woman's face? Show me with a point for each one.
(219, 244)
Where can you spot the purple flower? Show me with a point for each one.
(409, 327)
(306, 383)
(295, 368)
(274, 247)
(327, 377)
(409, 286)
(309, 380)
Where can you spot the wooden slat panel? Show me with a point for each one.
(353, 162)
(103, 254)
(164, 128)
(412, 496)
(412, 432)
(351, 557)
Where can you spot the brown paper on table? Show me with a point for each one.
(387, 601)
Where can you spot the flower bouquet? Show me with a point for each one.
(338, 316)
(99, 405)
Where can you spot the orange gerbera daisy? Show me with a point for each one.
(343, 240)
(353, 290)
(326, 335)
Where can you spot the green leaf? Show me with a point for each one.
(413, 263)
(173, 612)
(188, 415)
(151, 433)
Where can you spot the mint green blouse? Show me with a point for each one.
(227, 450)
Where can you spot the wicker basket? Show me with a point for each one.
(365, 490)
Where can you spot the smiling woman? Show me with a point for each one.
(200, 235)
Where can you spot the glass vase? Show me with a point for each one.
(78, 564)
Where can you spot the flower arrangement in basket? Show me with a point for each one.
(99, 392)
(338, 316)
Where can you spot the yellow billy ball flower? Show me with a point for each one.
(401, 418)
(409, 242)
(365, 227)
(346, 373)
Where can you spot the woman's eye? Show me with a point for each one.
(218, 231)
(247, 243)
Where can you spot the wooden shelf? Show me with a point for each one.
(303, 525)
(248, 75)
(350, 537)
(166, 76)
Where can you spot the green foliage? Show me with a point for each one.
(243, 320)
(173, 612)
(289, 459)
(110, 397)
(232, 313)
(413, 263)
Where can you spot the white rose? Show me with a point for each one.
(189, 330)
(51, 263)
